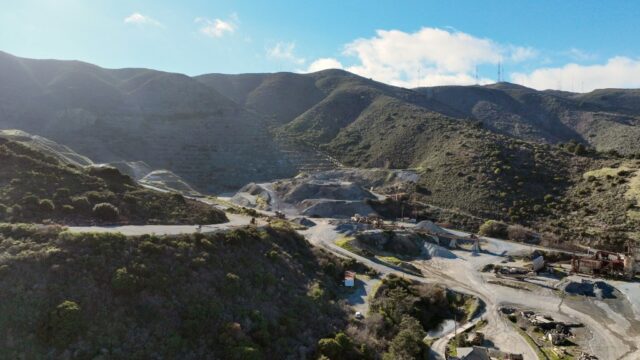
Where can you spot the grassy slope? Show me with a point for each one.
(605, 119)
(28, 178)
(601, 209)
(246, 294)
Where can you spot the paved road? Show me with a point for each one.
(134, 230)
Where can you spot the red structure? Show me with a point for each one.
(601, 263)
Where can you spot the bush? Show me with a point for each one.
(518, 233)
(64, 324)
(494, 229)
(81, 203)
(61, 196)
(46, 205)
(30, 201)
(123, 282)
(106, 212)
(340, 347)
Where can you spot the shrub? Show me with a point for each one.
(81, 203)
(123, 282)
(64, 324)
(46, 205)
(494, 229)
(61, 195)
(68, 209)
(30, 201)
(106, 212)
(518, 233)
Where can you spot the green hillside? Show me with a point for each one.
(246, 294)
(37, 187)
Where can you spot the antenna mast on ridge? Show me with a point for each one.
(477, 82)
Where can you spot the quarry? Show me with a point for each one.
(539, 302)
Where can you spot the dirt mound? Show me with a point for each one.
(136, 169)
(167, 180)
(333, 208)
(300, 191)
(304, 222)
(431, 227)
(433, 250)
(598, 289)
(403, 243)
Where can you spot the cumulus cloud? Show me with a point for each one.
(429, 56)
(139, 19)
(324, 64)
(617, 72)
(285, 51)
(217, 28)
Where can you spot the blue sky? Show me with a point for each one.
(569, 45)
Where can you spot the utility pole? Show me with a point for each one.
(455, 328)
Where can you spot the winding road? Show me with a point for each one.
(610, 339)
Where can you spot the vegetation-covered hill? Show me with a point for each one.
(35, 187)
(245, 294)
(603, 119)
(316, 106)
(489, 151)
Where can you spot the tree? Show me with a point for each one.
(407, 344)
(106, 212)
(64, 324)
(329, 347)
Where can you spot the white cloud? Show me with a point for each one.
(139, 19)
(429, 56)
(285, 51)
(520, 54)
(580, 55)
(218, 28)
(619, 72)
(324, 64)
